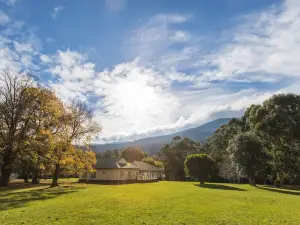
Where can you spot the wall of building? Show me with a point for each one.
(149, 175)
(121, 174)
(111, 174)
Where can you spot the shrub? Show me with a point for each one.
(199, 166)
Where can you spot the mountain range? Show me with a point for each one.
(152, 145)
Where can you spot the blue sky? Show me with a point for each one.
(155, 67)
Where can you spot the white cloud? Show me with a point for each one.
(161, 43)
(140, 98)
(22, 47)
(135, 98)
(19, 47)
(74, 75)
(266, 43)
(171, 81)
(4, 18)
(133, 101)
(45, 58)
(56, 10)
(115, 5)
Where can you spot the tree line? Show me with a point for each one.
(131, 154)
(39, 134)
(263, 145)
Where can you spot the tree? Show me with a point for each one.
(277, 122)
(149, 160)
(248, 152)
(153, 161)
(216, 146)
(77, 128)
(199, 166)
(16, 117)
(37, 130)
(132, 154)
(174, 154)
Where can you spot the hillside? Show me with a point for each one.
(152, 145)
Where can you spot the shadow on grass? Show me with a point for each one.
(219, 187)
(21, 185)
(10, 200)
(285, 190)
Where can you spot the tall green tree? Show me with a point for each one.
(174, 154)
(216, 146)
(247, 151)
(277, 122)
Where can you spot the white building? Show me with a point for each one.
(113, 170)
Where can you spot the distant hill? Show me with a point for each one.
(152, 145)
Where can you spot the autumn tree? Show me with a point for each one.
(46, 120)
(199, 166)
(77, 129)
(16, 110)
(132, 154)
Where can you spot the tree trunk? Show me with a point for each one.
(35, 178)
(55, 176)
(252, 181)
(281, 182)
(6, 168)
(25, 177)
(5, 175)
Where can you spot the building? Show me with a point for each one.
(113, 170)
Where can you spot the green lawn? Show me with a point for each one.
(152, 203)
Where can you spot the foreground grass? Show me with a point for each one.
(153, 203)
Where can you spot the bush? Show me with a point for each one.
(199, 166)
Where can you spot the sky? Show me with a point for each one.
(155, 67)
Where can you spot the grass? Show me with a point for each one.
(152, 203)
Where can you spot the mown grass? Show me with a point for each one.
(152, 203)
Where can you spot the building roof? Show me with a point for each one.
(122, 161)
(107, 163)
(117, 163)
(147, 167)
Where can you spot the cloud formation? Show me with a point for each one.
(265, 44)
(171, 79)
(19, 47)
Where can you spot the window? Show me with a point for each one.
(93, 175)
(129, 173)
(103, 172)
